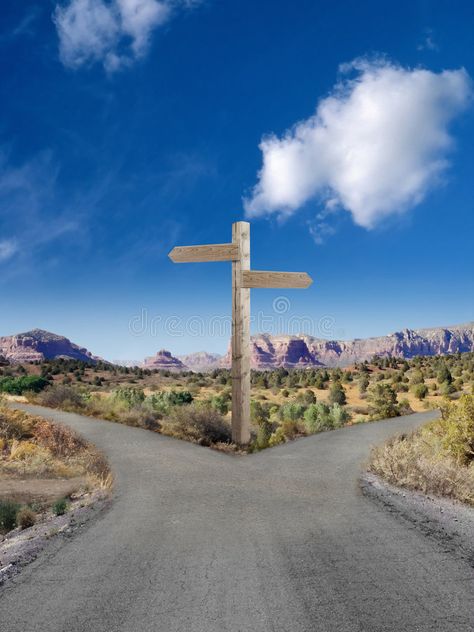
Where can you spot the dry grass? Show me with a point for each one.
(436, 459)
(31, 447)
(198, 424)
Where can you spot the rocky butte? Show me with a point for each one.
(38, 345)
(164, 360)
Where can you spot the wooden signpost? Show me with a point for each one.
(243, 278)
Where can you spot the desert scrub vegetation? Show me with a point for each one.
(172, 412)
(296, 402)
(436, 459)
(34, 448)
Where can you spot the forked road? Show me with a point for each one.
(280, 541)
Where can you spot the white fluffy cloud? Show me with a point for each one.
(115, 33)
(374, 147)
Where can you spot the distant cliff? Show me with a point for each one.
(38, 345)
(201, 361)
(269, 351)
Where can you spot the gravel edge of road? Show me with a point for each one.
(449, 522)
(22, 547)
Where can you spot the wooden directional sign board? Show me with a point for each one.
(242, 280)
(214, 252)
(259, 278)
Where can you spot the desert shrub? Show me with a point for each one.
(20, 385)
(286, 431)
(291, 411)
(306, 398)
(98, 466)
(163, 401)
(61, 396)
(337, 394)
(24, 450)
(417, 378)
(414, 462)
(25, 518)
(420, 390)
(14, 425)
(456, 429)
(404, 407)
(221, 404)
(444, 375)
(319, 418)
(130, 396)
(60, 506)
(447, 388)
(383, 401)
(363, 384)
(339, 415)
(60, 440)
(276, 438)
(290, 429)
(200, 424)
(260, 415)
(141, 417)
(8, 513)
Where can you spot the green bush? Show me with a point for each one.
(163, 401)
(420, 390)
(337, 394)
(292, 411)
(129, 396)
(317, 417)
(20, 385)
(339, 415)
(383, 401)
(60, 506)
(219, 403)
(260, 415)
(457, 429)
(8, 514)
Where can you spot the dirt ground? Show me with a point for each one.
(39, 490)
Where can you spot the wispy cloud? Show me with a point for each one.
(24, 26)
(374, 147)
(114, 33)
(31, 217)
(428, 42)
(8, 247)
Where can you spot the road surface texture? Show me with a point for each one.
(280, 541)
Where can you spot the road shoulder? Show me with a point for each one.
(450, 522)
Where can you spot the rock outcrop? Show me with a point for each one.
(164, 360)
(269, 352)
(201, 361)
(38, 345)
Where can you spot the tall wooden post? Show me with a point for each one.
(243, 278)
(240, 337)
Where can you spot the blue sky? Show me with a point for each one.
(131, 126)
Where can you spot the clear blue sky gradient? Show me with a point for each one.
(101, 175)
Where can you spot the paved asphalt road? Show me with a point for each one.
(280, 541)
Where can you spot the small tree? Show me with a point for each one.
(420, 391)
(363, 384)
(337, 394)
(383, 401)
